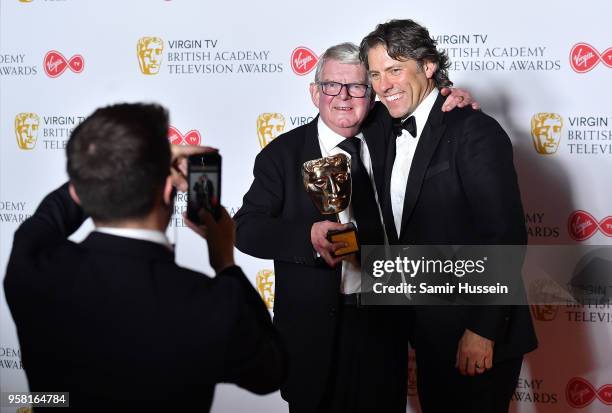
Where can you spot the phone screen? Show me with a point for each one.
(204, 185)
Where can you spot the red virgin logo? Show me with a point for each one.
(303, 60)
(580, 393)
(584, 57)
(581, 225)
(55, 63)
(192, 137)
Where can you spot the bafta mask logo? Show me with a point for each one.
(269, 126)
(26, 130)
(546, 132)
(149, 51)
(25, 1)
(264, 281)
(546, 296)
(328, 182)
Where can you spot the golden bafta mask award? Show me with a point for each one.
(328, 182)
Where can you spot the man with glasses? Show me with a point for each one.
(343, 357)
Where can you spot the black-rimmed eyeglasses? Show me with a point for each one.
(356, 90)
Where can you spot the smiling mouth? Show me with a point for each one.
(394, 97)
(343, 108)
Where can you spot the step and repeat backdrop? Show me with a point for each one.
(235, 75)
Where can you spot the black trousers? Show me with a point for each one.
(443, 389)
(370, 369)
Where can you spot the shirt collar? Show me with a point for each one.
(421, 113)
(138, 233)
(330, 139)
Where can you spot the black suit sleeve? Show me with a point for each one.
(262, 230)
(255, 357)
(490, 184)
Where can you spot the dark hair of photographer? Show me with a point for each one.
(119, 159)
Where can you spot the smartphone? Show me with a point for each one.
(204, 178)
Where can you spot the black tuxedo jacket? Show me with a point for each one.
(274, 222)
(115, 322)
(462, 190)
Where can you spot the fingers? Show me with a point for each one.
(198, 229)
(327, 249)
(206, 221)
(462, 362)
(179, 179)
(452, 102)
(188, 150)
(331, 261)
(488, 363)
(470, 367)
(178, 169)
(474, 354)
(459, 98)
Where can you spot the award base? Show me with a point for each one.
(348, 236)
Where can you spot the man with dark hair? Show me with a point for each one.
(450, 180)
(113, 320)
(343, 357)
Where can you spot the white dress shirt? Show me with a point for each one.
(405, 146)
(328, 142)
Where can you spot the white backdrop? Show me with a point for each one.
(230, 74)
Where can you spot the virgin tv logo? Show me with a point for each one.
(303, 60)
(581, 225)
(55, 63)
(580, 393)
(192, 137)
(584, 57)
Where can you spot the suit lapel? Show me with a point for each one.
(428, 142)
(311, 148)
(392, 234)
(375, 138)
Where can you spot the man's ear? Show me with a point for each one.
(314, 94)
(168, 194)
(73, 194)
(429, 68)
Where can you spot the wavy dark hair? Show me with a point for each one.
(406, 39)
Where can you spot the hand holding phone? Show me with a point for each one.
(204, 178)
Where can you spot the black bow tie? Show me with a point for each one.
(409, 124)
